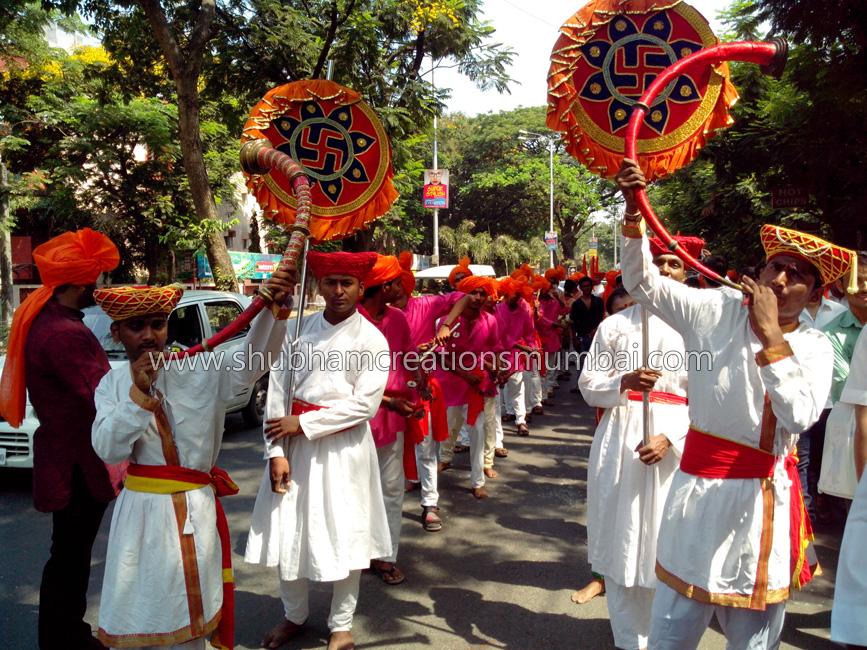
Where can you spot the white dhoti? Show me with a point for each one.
(849, 615)
(426, 459)
(294, 594)
(678, 623)
(533, 390)
(514, 397)
(479, 433)
(392, 479)
(499, 438)
(629, 610)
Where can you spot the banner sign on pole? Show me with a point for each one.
(436, 189)
(551, 240)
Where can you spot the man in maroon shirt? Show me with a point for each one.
(62, 365)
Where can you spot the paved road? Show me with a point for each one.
(499, 574)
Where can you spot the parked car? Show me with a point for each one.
(198, 316)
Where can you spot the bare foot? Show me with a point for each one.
(341, 641)
(443, 466)
(490, 472)
(480, 493)
(589, 592)
(281, 634)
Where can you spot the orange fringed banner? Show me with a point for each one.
(341, 145)
(607, 54)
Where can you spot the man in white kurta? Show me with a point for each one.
(163, 583)
(724, 543)
(849, 615)
(323, 518)
(627, 483)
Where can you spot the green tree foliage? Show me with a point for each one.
(500, 182)
(86, 155)
(803, 131)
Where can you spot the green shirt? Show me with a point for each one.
(843, 331)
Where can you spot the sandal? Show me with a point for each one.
(501, 452)
(430, 520)
(388, 571)
(523, 430)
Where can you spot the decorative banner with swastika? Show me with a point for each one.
(341, 145)
(607, 55)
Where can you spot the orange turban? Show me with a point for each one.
(575, 277)
(385, 269)
(557, 274)
(407, 279)
(509, 287)
(470, 284)
(71, 258)
(462, 267)
(121, 303)
(524, 271)
(356, 265)
(539, 283)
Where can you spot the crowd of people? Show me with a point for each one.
(729, 422)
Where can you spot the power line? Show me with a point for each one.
(524, 11)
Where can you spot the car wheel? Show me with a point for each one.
(254, 412)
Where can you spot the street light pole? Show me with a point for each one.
(552, 147)
(551, 218)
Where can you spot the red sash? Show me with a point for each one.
(433, 422)
(219, 479)
(708, 456)
(657, 397)
(300, 407)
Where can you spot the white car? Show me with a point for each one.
(198, 316)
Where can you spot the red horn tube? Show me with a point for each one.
(259, 157)
(771, 56)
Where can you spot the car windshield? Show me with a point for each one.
(100, 324)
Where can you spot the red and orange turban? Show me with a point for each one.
(470, 284)
(556, 274)
(122, 303)
(385, 269)
(832, 261)
(71, 258)
(356, 265)
(407, 279)
(692, 245)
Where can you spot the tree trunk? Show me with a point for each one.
(6, 306)
(200, 188)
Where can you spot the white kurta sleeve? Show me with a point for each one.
(798, 385)
(118, 423)
(256, 354)
(855, 390)
(601, 388)
(684, 308)
(361, 405)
